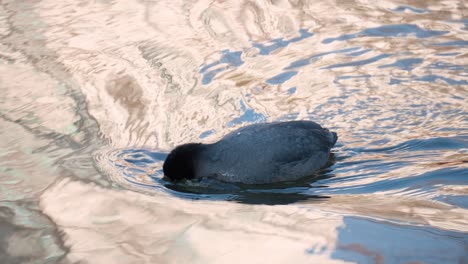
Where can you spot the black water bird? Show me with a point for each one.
(255, 154)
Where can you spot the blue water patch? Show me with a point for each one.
(358, 63)
(206, 133)
(248, 116)
(457, 43)
(303, 35)
(307, 61)
(357, 238)
(447, 66)
(292, 90)
(298, 63)
(437, 143)
(358, 53)
(463, 21)
(344, 77)
(457, 200)
(287, 117)
(448, 54)
(429, 78)
(404, 64)
(138, 162)
(422, 183)
(281, 78)
(394, 81)
(281, 43)
(398, 30)
(433, 78)
(403, 8)
(231, 58)
(132, 172)
(209, 76)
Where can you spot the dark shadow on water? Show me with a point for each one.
(276, 198)
(268, 194)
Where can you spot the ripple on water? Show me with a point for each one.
(364, 171)
(390, 78)
(141, 170)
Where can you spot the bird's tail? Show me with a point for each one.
(333, 138)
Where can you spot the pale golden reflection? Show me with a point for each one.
(131, 227)
(159, 105)
(94, 93)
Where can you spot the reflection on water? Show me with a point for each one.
(95, 93)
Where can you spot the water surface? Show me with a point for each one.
(95, 93)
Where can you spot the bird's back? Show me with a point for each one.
(272, 152)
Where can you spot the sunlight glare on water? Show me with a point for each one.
(94, 94)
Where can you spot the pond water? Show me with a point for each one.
(95, 93)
